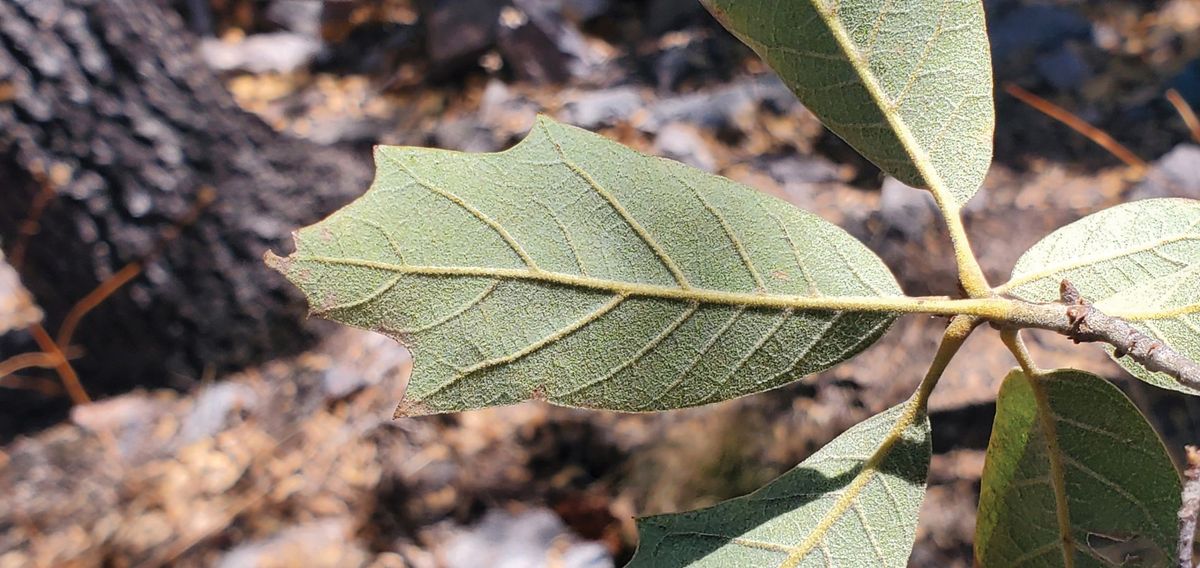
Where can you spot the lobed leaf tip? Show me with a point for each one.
(412, 408)
(280, 264)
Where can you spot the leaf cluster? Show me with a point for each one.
(574, 270)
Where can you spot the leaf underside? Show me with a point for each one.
(1139, 261)
(575, 270)
(852, 503)
(1074, 476)
(907, 83)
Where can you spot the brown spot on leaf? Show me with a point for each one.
(538, 394)
(328, 301)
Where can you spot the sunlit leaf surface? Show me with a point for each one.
(1075, 476)
(853, 503)
(908, 83)
(575, 270)
(1139, 261)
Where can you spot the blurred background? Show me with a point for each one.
(152, 150)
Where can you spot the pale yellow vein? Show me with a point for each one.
(373, 295)
(545, 341)
(738, 246)
(650, 345)
(562, 229)
(1115, 487)
(758, 345)
(1035, 554)
(681, 375)
(637, 227)
(787, 234)
(1059, 269)
(487, 291)
(1058, 478)
(386, 235)
(1100, 432)
(870, 532)
(480, 215)
(998, 308)
(531, 348)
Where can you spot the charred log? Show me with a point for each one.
(105, 106)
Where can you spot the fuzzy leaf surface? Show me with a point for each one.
(1138, 261)
(907, 83)
(1074, 476)
(575, 270)
(852, 503)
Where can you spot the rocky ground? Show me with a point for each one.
(299, 462)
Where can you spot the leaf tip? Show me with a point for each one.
(277, 263)
(409, 408)
(380, 151)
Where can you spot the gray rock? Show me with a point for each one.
(721, 107)
(376, 358)
(1176, 174)
(906, 210)
(502, 116)
(459, 30)
(683, 142)
(508, 114)
(299, 16)
(805, 169)
(467, 134)
(1035, 29)
(1064, 68)
(581, 11)
(17, 308)
(212, 408)
(129, 419)
(602, 108)
(526, 540)
(801, 177)
(115, 414)
(540, 44)
(326, 542)
(279, 52)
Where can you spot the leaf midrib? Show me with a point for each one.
(849, 496)
(846, 500)
(1057, 472)
(1084, 262)
(1057, 459)
(1143, 315)
(916, 152)
(898, 304)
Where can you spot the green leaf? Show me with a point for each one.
(1074, 476)
(853, 503)
(1138, 261)
(908, 83)
(572, 269)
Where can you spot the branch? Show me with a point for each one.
(1190, 508)
(1079, 320)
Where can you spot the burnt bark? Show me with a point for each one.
(106, 104)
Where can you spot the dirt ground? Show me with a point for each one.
(298, 462)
